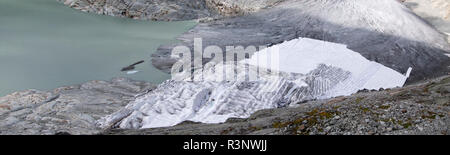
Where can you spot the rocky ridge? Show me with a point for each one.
(170, 10)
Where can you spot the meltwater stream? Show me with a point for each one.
(45, 45)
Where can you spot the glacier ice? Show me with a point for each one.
(310, 69)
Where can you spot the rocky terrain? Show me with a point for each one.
(71, 109)
(421, 108)
(170, 10)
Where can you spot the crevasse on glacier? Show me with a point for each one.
(310, 69)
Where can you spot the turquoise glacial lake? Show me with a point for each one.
(45, 45)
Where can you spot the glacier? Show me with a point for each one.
(308, 69)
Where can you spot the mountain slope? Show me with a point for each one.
(384, 31)
(437, 12)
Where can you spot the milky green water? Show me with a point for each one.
(45, 45)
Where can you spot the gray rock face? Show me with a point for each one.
(384, 31)
(71, 109)
(162, 10)
(169, 10)
(239, 7)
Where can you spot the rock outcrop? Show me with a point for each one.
(239, 7)
(161, 10)
(71, 109)
(170, 10)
